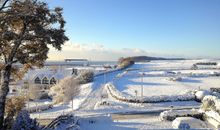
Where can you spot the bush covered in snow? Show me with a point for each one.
(215, 90)
(107, 105)
(210, 103)
(211, 107)
(216, 94)
(215, 74)
(201, 94)
(173, 114)
(85, 77)
(186, 123)
(175, 79)
(24, 122)
(218, 66)
(194, 67)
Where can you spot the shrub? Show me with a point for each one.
(24, 122)
(125, 62)
(44, 95)
(208, 105)
(173, 114)
(206, 63)
(86, 77)
(194, 67)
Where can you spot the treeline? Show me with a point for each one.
(148, 58)
(206, 63)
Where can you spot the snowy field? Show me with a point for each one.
(156, 78)
(162, 86)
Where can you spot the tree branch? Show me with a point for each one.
(5, 57)
(15, 61)
(3, 5)
(17, 43)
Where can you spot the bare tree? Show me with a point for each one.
(65, 90)
(27, 27)
(35, 91)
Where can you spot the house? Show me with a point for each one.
(46, 77)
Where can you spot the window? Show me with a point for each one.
(53, 81)
(45, 80)
(37, 80)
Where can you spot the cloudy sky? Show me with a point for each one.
(96, 52)
(109, 29)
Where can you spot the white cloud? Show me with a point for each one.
(94, 52)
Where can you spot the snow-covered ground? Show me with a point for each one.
(157, 81)
(162, 86)
(63, 108)
(171, 64)
(94, 98)
(123, 122)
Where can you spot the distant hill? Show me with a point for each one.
(148, 58)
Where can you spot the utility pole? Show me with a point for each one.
(28, 96)
(142, 83)
(136, 93)
(72, 103)
(142, 88)
(105, 78)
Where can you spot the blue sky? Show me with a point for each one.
(188, 28)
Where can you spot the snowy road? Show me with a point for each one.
(97, 90)
(137, 122)
(92, 99)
